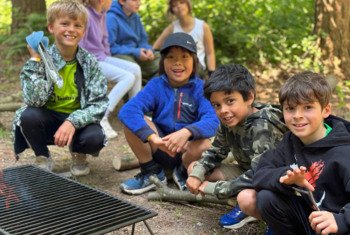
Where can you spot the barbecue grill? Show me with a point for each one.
(35, 201)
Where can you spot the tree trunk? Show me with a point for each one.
(22, 8)
(332, 25)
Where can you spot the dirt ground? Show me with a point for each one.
(172, 218)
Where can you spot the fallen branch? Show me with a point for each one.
(125, 162)
(10, 107)
(164, 193)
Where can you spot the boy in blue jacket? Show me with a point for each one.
(127, 37)
(183, 120)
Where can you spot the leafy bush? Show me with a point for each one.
(16, 43)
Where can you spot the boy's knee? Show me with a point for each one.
(31, 116)
(247, 200)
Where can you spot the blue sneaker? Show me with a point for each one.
(180, 177)
(141, 183)
(235, 219)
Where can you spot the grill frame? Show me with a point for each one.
(40, 194)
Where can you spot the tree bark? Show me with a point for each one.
(22, 8)
(332, 26)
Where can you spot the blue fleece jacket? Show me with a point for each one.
(172, 109)
(126, 34)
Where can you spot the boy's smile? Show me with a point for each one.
(231, 108)
(178, 66)
(306, 120)
(67, 32)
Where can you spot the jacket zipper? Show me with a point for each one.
(179, 106)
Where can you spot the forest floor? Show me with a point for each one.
(173, 217)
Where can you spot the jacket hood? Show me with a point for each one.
(340, 134)
(271, 113)
(117, 9)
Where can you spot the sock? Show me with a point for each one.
(150, 167)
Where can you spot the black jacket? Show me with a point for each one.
(328, 167)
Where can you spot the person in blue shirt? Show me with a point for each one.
(183, 120)
(128, 39)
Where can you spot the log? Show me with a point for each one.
(164, 193)
(10, 107)
(127, 162)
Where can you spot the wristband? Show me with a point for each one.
(35, 59)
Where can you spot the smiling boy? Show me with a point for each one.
(247, 130)
(313, 158)
(68, 115)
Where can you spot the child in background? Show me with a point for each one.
(247, 130)
(182, 122)
(303, 185)
(67, 116)
(128, 39)
(126, 75)
(198, 29)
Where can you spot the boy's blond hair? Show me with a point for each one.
(305, 87)
(71, 8)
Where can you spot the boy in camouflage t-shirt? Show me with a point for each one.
(247, 130)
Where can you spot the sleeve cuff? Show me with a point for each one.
(210, 188)
(198, 172)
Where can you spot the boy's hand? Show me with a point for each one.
(33, 53)
(193, 184)
(150, 54)
(64, 134)
(202, 187)
(143, 55)
(323, 222)
(177, 141)
(297, 177)
(157, 142)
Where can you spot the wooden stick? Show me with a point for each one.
(10, 107)
(164, 193)
(127, 162)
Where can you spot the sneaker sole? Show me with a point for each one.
(81, 173)
(240, 224)
(141, 190)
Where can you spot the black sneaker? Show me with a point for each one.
(180, 177)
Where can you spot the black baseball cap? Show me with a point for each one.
(183, 40)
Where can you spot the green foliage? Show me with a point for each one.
(255, 31)
(5, 16)
(16, 43)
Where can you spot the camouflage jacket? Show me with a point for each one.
(92, 87)
(247, 141)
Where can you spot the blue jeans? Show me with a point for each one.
(126, 76)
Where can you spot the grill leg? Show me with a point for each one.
(133, 229)
(149, 229)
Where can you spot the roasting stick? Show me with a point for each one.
(49, 66)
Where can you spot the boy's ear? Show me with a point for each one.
(49, 27)
(251, 98)
(326, 111)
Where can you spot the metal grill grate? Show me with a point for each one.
(34, 201)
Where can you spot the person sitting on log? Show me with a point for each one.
(183, 120)
(247, 130)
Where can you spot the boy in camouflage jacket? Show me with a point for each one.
(67, 116)
(247, 130)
